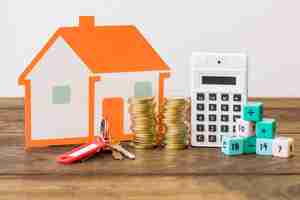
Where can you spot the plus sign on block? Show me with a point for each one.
(266, 128)
(253, 111)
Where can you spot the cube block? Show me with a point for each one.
(250, 145)
(264, 146)
(283, 147)
(233, 146)
(266, 128)
(245, 128)
(253, 111)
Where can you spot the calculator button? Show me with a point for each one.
(225, 97)
(212, 138)
(212, 128)
(200, 106)
(235, 117)
(200, 96)
(224, 118)
(237, 108)
(224, 128)
(200, 127)
(224, 107)
(212, 96)
(200, 117)
(237, 97)
(234, 128)
(212, 118)
(200, 138)
(212, 107)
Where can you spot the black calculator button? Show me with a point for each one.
(212, 96)
(212, 107)
(237, 97)
(237, 108)
(224, 128)
(212, 138)
(235, 117)
(200, 106)
(200, 138)
(234, 128)
(212, 118)
(225, 97)
(224, 107)
(200, 96)
(212, 128)
(200, 117)
(224, 118)
(200, 127)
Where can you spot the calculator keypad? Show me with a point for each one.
(216, 114)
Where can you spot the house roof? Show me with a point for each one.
(106, 49)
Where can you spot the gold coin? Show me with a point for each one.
(175, 135)
(175, 147)
(141, 136)
(141, 100)
(170, 128)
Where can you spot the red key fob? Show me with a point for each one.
(82, 152)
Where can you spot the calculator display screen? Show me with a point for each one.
(219, 80)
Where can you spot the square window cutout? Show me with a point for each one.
(61, 94)
(143, 89)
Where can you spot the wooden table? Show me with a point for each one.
(200, 173)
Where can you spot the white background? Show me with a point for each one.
(268, 30)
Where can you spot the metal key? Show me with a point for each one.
(123, 151)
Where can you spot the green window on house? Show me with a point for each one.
(143, 89)
(61, 94)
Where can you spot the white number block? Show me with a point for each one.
(245, 128)
(283, 147)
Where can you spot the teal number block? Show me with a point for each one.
(264, 146)
(266, 128)
(233, 146)
(253, 111)
(250, 145)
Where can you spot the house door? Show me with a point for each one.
(113, 112)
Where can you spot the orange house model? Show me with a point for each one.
(84, 74)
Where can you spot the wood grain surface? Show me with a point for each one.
(195, 173)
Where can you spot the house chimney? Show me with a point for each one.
(86, 22)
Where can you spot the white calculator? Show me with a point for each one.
(218, 93)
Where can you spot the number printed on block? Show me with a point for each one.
(283, 147)
(264, 146)
(232, 146)
(245, 128)
(253, 111)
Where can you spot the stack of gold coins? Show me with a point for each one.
(143, 121)
(174, 119)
